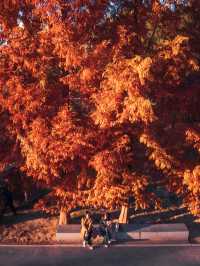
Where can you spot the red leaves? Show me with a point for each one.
(81, 80)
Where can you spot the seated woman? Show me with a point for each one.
(105, 223)
(87, 229)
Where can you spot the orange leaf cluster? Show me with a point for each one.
(99, 100)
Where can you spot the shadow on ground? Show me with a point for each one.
(171, 215)
(22, 217)
(175, 215)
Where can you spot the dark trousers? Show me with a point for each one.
(87, 237)
(8, 204)
(106, 235)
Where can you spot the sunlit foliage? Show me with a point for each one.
(99, 100)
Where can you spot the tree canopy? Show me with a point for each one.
(99, 100)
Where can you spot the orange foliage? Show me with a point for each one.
(99, 100)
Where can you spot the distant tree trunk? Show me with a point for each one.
(64, 216)
(123, 217)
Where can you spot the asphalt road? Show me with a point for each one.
(119, 256)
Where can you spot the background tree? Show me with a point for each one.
(101, 99)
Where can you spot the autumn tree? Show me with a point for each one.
(100, 99)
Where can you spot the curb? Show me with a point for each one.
(112, 246)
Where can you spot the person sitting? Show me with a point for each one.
(105, 223)
(87, 229)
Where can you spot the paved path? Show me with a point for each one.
(119, 256)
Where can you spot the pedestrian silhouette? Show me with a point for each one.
(7, 199)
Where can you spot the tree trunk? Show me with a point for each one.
(64, 216)
(123, 217)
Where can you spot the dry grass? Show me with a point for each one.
(28, 228)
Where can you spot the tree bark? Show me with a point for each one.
(64, 216)
(123, 217)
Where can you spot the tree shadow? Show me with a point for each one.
(139, 218)
(177, 215)
(160, 216)
(9, 219)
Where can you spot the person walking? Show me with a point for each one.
(87, 230)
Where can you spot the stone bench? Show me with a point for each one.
(155, 233)
(68, 233)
